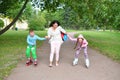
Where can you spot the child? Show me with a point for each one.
(31, 40)
(81, 43)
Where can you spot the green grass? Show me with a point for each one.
(12, 49)
(108, 43)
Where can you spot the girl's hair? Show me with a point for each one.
(78, 42)
(53, 22)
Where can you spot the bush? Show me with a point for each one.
(1, 23)
(118, 27)
(37, 23)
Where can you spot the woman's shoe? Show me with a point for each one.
(57, 63)
(50, 65)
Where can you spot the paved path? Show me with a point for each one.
(101, 67)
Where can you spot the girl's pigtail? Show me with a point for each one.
(81, 42)
(76, 43)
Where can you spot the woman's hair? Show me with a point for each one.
(78, 42)
(53, 22)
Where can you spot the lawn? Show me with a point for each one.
(108, 43)
(12, 49)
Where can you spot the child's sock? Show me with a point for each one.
(35, 60)
(28, 60)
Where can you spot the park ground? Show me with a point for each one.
(101, 44)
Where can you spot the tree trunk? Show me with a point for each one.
(104, 28)
(15, 19)
(110, 28)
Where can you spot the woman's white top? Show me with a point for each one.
(55, 35)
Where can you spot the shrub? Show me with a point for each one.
(37, 23)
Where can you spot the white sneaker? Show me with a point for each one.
(75, 62)
(87, 63)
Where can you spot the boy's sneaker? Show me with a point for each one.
(75, 62)
(87, 63)
(27, 63)
(31, 61)
(35, 63)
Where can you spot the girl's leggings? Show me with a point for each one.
(33, 50)
(78, 52)
(55, 49)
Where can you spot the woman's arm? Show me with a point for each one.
(49, 33)
(72, 39)
(62, 30)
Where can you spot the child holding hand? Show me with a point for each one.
(31, 40)
(81, 43)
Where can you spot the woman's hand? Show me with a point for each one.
(68, 36)
(46, 37)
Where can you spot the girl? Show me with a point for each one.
(81, 43)
(54, 34)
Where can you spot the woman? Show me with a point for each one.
(54, 34)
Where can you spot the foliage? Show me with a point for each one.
(88, 14)
(102, 13)
(13, 10)
(1, 23)
(77, 14)
(6, 5)
(37, 22)
(28, 12)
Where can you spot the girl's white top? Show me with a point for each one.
(55, 35)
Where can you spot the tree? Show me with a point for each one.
(69, 19)
(15, 19)
(5, 5)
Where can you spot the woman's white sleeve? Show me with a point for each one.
(61, 29)
(49, 33)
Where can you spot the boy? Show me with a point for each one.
(31, 40)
